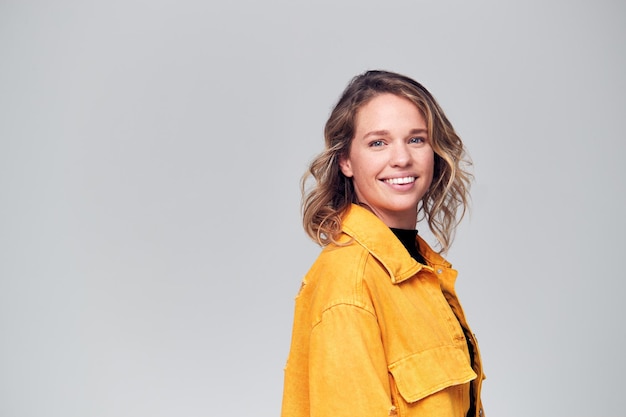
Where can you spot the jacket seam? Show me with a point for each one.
(363, 308)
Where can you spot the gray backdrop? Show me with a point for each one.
(150, 153)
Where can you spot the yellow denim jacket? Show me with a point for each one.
(378, 334)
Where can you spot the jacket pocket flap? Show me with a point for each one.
(422, 374)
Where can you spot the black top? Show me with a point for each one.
(408, 237)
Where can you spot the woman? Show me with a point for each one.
(378, 328)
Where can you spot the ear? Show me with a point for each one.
(346, 167)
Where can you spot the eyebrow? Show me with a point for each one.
(386, 132)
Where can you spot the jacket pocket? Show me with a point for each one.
(422, 374)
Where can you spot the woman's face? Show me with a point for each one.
(391, 159)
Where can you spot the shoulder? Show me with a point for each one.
(342, 275)
(341, 267)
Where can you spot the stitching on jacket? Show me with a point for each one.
(340, 304)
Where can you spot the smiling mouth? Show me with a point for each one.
(403, 180)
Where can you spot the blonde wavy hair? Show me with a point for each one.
(446, 201)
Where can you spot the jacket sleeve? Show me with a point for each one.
(348, 373)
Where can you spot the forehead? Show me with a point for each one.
(389, 109)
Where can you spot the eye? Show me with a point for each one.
(376, 143)
(417, 139)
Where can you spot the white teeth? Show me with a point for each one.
(405, 180)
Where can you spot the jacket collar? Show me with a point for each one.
(370, 232)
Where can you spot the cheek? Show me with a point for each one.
(431, 163)
(427, 161)
(428, 164)
(363, 165)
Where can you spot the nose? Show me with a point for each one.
(400, 155)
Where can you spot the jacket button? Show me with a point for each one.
(480, 412)
(439, 271)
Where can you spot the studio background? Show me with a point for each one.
(150, 157)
